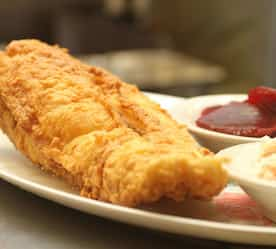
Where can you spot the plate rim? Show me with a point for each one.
(135, 213)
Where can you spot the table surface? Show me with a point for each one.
(28, 221)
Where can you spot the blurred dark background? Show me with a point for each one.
(179, 47)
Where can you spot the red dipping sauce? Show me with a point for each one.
(251, 118)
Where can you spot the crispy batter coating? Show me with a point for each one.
(100, 134)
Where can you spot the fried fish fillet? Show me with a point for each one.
(100, 134)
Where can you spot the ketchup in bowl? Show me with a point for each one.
(255, 117)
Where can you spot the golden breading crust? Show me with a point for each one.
(100, 134)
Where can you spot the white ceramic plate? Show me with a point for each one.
(215, 141)
(210, 220)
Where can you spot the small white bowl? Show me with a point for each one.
(215, 141)
(242, 159)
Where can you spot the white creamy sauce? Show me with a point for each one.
(252, 159)
(267, 167)
(259, 160)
